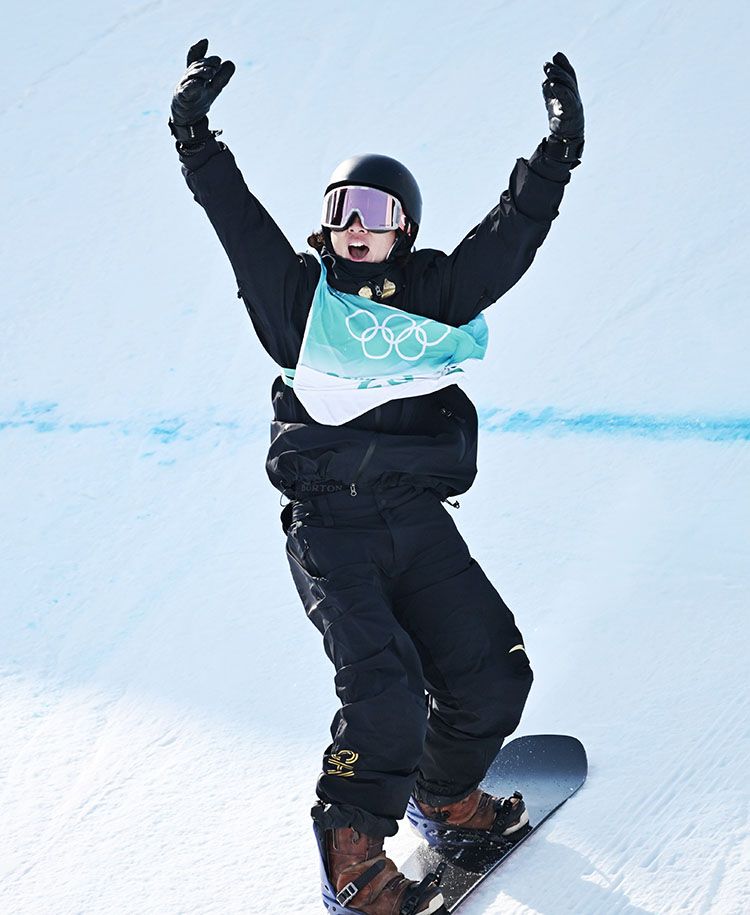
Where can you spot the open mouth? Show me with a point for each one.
(358, 251)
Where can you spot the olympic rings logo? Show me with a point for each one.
(415, 331)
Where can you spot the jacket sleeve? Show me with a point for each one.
(275, 283)
(496, 253)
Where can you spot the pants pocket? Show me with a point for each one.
(310, 586)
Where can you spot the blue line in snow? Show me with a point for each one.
(43, 418)
(551, 421)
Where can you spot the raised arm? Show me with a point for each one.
(275, 283)
(498, 251)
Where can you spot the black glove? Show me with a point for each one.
(203, 80)
(564, 109)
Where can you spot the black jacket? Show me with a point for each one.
(430, 440)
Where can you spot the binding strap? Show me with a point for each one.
(351, 889)
(422, 890)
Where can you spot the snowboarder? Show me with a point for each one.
(370, 437)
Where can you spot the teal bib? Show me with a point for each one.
(357, 354)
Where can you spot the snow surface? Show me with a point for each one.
(163, 701)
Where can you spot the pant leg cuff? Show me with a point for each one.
(439, 798)
(341, 816)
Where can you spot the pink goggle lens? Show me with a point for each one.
(378, 211)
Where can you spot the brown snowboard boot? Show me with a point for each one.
(495, 816)
(363, 877)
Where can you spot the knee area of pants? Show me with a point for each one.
(497, 702)
(501, 679)
(395, 692)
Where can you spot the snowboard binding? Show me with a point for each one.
(337, 903)
(449, 838)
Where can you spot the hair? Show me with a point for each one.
(317, 240)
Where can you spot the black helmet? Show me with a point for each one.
(385, 174)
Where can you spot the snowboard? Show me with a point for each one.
(547, 769)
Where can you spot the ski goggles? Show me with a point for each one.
(378, 211)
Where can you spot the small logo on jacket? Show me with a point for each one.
(342, 763)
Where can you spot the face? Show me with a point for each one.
(356, 243)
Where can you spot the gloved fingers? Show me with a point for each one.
(559, 76)
(203, 80)
(189, 92)
(552, 90)
(562, 61)
(197, 51)
(561, 104)
(565, 113)
(569, 99)
(222, 77)
(202, 70)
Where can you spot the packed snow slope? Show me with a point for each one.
(163, 700)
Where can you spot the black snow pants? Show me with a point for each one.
(430, 667)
